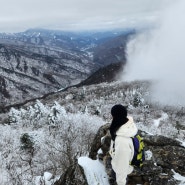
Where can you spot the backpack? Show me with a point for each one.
(139, 152)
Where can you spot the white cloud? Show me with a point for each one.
(23, 14)
(159, 55)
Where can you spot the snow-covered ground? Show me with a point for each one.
(94, 171)
(71, 119)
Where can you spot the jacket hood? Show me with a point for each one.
(129, 129)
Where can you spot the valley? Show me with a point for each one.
(37, 62)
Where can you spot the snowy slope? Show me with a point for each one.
(26, 75)
(69, 120)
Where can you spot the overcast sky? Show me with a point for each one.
(19, 15)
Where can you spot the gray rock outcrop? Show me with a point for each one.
(167, 157)
(74, 174)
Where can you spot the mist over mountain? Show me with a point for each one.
(158, 55)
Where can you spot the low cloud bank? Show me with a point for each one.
(159, 55)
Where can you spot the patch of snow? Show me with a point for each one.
(69, 97)
(94, 171)
(47, 176)
(157, 121)
(60, 90)
(100, 151)
(179, 177)
(182, 142)
(148, 155)
(46, 179)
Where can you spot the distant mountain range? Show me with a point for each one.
(38, 61)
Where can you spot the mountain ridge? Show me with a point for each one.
(28, 68)
(48, 67)
(105, 74)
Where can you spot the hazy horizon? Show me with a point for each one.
(20, 15)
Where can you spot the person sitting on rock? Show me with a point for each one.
(122, 129)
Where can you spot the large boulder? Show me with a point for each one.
(74, 174)
(166, 157)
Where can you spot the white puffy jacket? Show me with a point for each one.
(123, 151)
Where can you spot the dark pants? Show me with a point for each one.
(112, 179)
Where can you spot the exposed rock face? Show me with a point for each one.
(73, 175)
(99, 143)
(167, 155)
